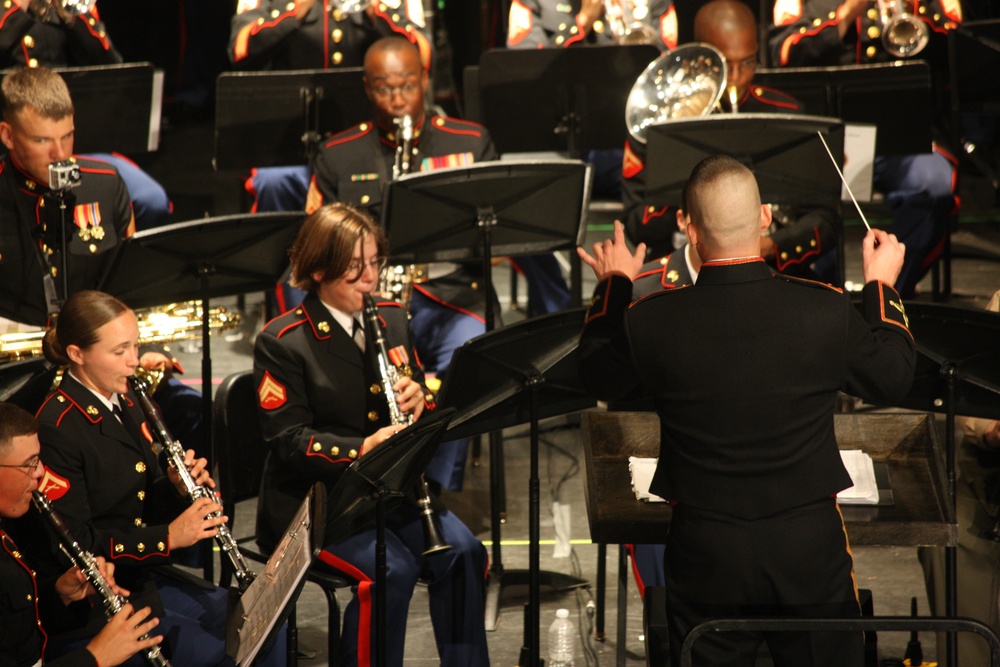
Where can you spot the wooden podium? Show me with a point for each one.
(905, 445)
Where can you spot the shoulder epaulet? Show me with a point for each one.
(808, 283)
(660, 293)
(95, 166)
(775, 98)
(350, 134)
(457, 126)
(61, 405)
(285, 322)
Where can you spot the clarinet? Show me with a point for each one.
(433, 538)
(175, 455)
(88, 565)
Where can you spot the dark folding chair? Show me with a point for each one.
(240, 451)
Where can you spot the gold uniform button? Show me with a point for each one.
(92, 248)
(337, 35)
(598, 26)
(363, 127)
(812, 243)
(17, 554)
(275, 13)
(395, 18)
(141, 495)
(365, 199)
(373, 416)
(651, 209)
(784, 255)
(560, 39)
(817, 21)
(802, 30)
(335, 450)
(161, 546)
(137, 522)
(6, 5)
(562, 26)
(832, 15)
(29, 41)
(140, 547)
(317, 447)
(873, 32)
(324, 326)
(140, 467)
(429, 398)
(798, 248)
(871, 51)
(337, 58)
(119, 548)
(474, 285)
(758, 91)
(375, 389)
(290, 7)
(574, 30)
(338, 15)
(353, 454)
(873, 14)
(91, 410)
(29, 597)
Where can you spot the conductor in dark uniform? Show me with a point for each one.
(745, 400)
(322, 405)
(800, 235)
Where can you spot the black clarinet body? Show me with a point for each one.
(87, 563)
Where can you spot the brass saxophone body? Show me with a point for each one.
(390, 374)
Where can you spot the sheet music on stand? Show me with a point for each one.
(257, 615)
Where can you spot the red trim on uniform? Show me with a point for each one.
(635, 571)
(252, 191)
(91, 170)
(791, 104)
(833, 288)
(6, 539)
(286, 329)
(340, 138)
(648, 216)
(103, 40)
(881, 305)
(10, 12)
(604, 310)
(364, 600)
(733, 262)
(450, 130)
(448, 305)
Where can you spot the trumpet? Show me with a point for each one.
(431, 524)
(903, 34)
(51, 11)
(626, 22)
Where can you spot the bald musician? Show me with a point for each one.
(746, 403)
(799, 236)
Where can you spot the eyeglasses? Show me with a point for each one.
(27, 468)
(408, 89)
(356, 267)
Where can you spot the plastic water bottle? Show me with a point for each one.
(562, 640)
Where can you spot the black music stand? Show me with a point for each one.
(487, 209)
(133, 90)
(958, 372)
(866, 95)
(972, 47)
(202, 259)
(576, 96)
(257, 615)
(279, 118)
(519, 374)
(27, 382)
(375, 483)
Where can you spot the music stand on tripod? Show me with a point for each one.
(279, 118)
(519, 374)
(202, 259)
(958, 372)
(372, 485)
(788, 159)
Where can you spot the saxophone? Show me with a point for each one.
(175, 455)
(391, 374)
(87, 563)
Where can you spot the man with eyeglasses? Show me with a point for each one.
(355, 166)
(800, 235)
(30, 605)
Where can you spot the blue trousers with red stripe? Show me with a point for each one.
(456, 590)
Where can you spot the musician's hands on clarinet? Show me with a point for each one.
(881, 256)
(410, 397)
(195, 523)
(198, 468)
(123, 636)
(73, 584)
(613, 256)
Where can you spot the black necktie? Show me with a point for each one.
(117, 410)
(359, 335)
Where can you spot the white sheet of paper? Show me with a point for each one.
(859, 161)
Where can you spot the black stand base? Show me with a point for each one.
(498, 579)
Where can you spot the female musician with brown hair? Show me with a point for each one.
(102, 475)
(322, 404)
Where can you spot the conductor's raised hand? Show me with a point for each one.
(613, 256)
(882, 256)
